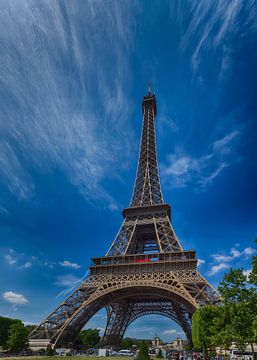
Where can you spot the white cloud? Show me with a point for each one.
(169, 332)
(220, 258)
(223, 145)
(14, 298)
(181, 169)
(217, 268)
(247, 273)
(27, 265)
(19, 260)
(144, 329)
(225, 260)
(68, 280)
(234, 253)
(249, 251)
(200, 262)
(12, 173)
(69, 264)
(10, 259)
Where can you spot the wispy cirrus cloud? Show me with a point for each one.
(68, 280)
(181, 168)
(211, 26)
(65, 106)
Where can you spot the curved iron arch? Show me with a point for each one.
(79, 318)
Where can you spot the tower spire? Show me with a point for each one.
(147, 189)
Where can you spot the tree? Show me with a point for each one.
(127, 343)
(207, 321)
(143, 352)
(253, 274)
(240, 304)
(210, 329)
(234, 321)
(90, 337)
(221, 329)
(5, 324)
(50, 351)
(18, 337)
(255, 328)
(30, 328)
(196, 330)
(159, 355)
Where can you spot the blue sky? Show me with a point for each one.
(72, 76)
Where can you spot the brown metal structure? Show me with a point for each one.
(145, 271)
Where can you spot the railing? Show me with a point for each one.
(153, 260)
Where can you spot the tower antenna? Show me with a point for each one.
(149, 87)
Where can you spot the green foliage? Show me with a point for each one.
(240, 300)
(221, 328)
(211, 328)
(233, 287)
(255, 329)
(196, 330)
(207, 327)
(18, 337)
(127, 343)
(253, 275)
(5, 325)
(159, 355)
(234, 321)
(90, 337)
(240, 305)
(50, 351)
(30, 328)
(143, 352)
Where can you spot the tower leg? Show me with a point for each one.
(118, 315)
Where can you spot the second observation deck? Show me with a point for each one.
(177, 260)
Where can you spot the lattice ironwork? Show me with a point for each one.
(135, 231)
(147, 189)
(145, 271)
(123, 314)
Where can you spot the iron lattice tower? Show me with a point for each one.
(145, 271)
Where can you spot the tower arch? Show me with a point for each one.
(124, 304)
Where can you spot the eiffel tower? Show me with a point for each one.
(145, 271)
